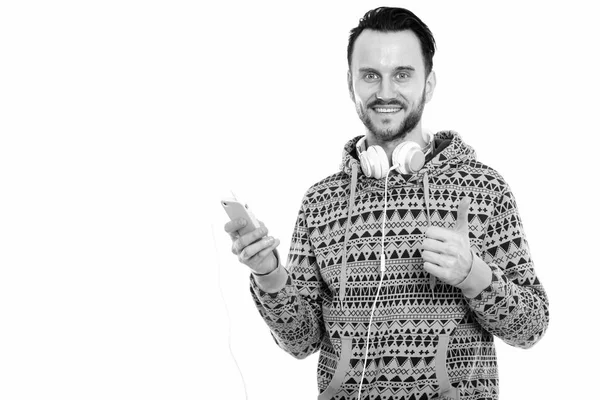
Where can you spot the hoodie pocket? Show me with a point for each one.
(406, 360)
(445, 390)
(340, 370)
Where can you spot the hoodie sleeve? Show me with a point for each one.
(294, 314)
(514, 307)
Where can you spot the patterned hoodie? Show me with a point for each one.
(427, 339)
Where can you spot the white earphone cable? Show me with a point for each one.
(382, 269)
(227, 312)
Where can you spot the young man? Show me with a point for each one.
(405, 264)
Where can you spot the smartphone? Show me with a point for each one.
(236, 209)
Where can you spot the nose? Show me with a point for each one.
(386, 90)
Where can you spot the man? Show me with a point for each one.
(415, 320)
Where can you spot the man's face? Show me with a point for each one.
(387, 82)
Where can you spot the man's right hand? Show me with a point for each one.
(254, 249)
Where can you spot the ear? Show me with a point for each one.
(350, 87)
(430, 86)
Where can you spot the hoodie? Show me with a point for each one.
(427, 339)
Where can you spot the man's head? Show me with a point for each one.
(388, 19)
(390, 78)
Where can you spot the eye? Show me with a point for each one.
(402, 76)
(370, 76)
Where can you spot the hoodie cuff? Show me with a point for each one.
(479, 278)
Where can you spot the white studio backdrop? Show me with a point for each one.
(123, 123)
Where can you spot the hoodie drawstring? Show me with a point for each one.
(347, 232)
(426, 188)
(432, 279)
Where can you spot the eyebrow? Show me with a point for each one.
(397, 69)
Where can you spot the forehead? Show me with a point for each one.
(387, 50)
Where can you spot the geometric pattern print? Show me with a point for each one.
(308, 316)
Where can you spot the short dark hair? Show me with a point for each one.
(390, 19)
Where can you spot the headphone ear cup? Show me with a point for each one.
(409, 157)
(380, 163)
(374, 162)
(365, 164)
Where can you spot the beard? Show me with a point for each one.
(391, 133)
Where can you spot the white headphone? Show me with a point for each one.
(408, 157)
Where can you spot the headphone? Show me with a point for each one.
(408, 157)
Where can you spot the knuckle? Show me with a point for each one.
(252, 236)
(245, 252)
(257, 235)
(237, 246)
(238, 243)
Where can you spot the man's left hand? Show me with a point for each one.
(447, 252)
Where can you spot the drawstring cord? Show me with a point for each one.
(347, 232)
(432, 279)
(426, 189)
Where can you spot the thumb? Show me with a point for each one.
(462, 220)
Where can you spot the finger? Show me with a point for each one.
(448, 248)
(255, 248)
(265, 252)
(235, 225)
(434, 245)
(251, 237)
(436, 270)
(234, 248)
(234, 236)
(441, 260)
(462, 217)
(437, 233)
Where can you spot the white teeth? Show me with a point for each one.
(387, 110)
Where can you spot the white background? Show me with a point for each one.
(123, 123)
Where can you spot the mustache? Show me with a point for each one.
(380, 103)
